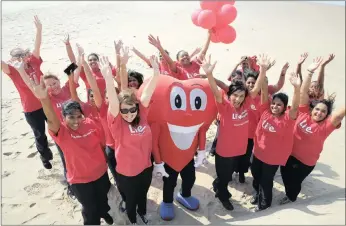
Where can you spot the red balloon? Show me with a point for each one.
(230, 2)
(211, 5)
(194, 16)
(227, 34)
(226, 15)
(207, 19)
(214, 37)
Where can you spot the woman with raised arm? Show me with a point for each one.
(233, 108)
(299, 65)
(273, 140)
(93, 60)
(315, 123)
(127, 120)
(81, 141)
(32, 108)
(184, 68)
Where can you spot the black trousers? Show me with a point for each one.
(94, 200)
(61, 154)
(213, 146)
(37, 120)
(135, 190)
(188, 177)
(263, 178)
(225, 167)
(244, 160)
(293, 174)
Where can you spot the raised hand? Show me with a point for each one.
(295, 80)
(263, 61)
(284, 68)
(124, 58)
(18, 65)
(330, 58)
(80, 50)
(315, 64)
(155, 64)
(271, 64)
(303, 58)
(207, 66)
(154, 41)
(67, 39)
(37, 23)
(105, 68)
(242, 59)
(118, 45)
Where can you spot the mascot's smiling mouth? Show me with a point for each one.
(183, 136)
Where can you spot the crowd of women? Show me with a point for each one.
(257, 128)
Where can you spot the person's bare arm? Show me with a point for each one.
(263, 63)
(304, 89)
(69, 50)
(281, 81)
(111, 93)
(295, 81)
(117, 46)
(38, 39)
(5, 68)
(73, 89)
(208, 69)
(299, 66)
(264, 93)
(320, 78)
(149, 88)
(40, 91)
(124, 79)
(205, 47)
(195, 52)
(242, 59)
(140, 55)
(338, 116)
(156, 42)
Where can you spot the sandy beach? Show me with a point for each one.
(284, 30)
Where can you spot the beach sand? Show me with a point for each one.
(284, 30)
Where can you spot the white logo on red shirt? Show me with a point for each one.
(239, 116)
(138, 130)
(267, 126)
(82, 136)
(304, 126)
(253, 107)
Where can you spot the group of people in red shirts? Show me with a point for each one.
(257, 128)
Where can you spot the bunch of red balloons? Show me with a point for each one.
(217, 15)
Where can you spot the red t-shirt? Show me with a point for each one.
(29, 102)
(58, 100)
(103, 118)
(309, 136)
(101, 83)
(254, 114)
(233, 128)
(133, 146)
(274, 137)
(189, 72)
(82, 148)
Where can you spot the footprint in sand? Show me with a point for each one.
(32, 205)
(24, 134)
(6, 174)
(7, 153)
(32, 155)
(35, 188)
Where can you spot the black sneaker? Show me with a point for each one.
(216, 190)
(241, 178)
(254, 200)
(285, 200)
(108, 219)
(227, 204)
(122, 206)
(46, 164)
(143, 218)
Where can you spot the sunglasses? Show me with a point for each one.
(127, 110)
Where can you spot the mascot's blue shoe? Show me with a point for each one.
(191, 203)
(167, 211)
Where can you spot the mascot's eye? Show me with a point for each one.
(198, 100)
(178, 98)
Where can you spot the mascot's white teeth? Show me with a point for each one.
(183, 136)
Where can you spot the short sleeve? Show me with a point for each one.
(264, 107)
(35, 61)
(114, 123)
(221, 107)
(60, 135)
(13, 72)
(330, 127)
(304, 108)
